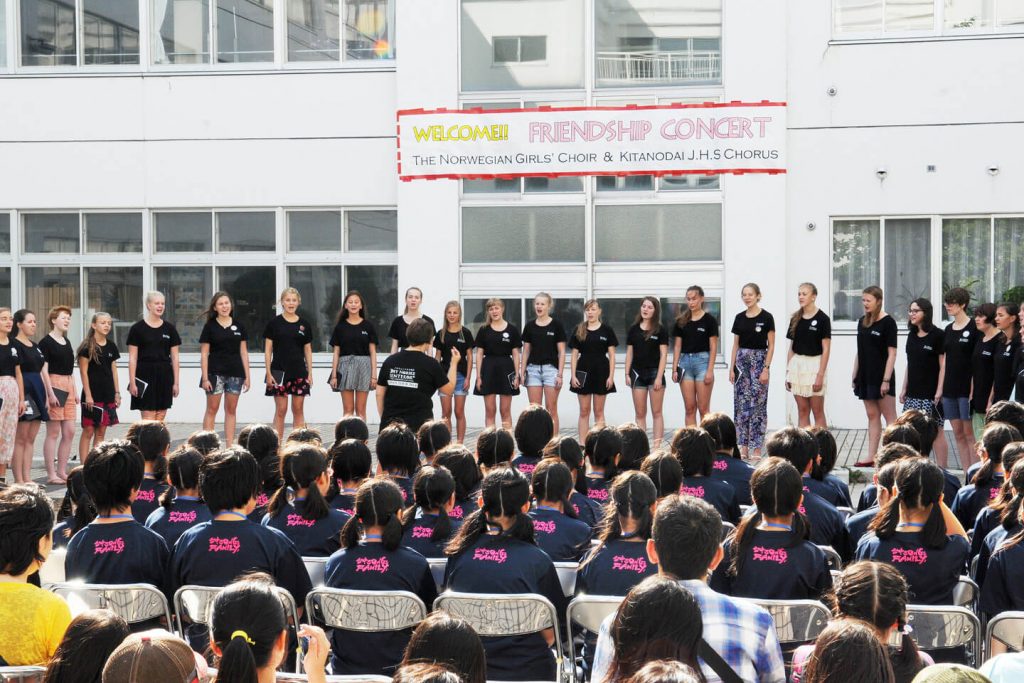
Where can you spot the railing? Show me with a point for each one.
(659, 67)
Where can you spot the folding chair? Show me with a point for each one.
(973, 572)
(966, 593)
(588, 611)
(945, 626)
(52, 571)
(366, 611)
(834, 561)
(316, 568)
(567, 576)
(133, 602)
(1008, 629)
(22, 674)
(506, 614)
(437, 567)
(797, 622)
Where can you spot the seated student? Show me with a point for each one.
(304, 435)
(664, 470)
(154, 655)
(495, 552)
(86, 646)
(848, 649)
(534, 428)
(313, 526)
(217, 552)
(919, 535)
(351, 463)
(262, 443)
(1004, 668)
(555, 527)
(685, 546)
(431, 437)
(1009, 522)
(78, 506)
(889, 453)
(426, 525)
(153, 440)
(769, 556)
(351, 427)
(398, 456)
(567, 449)
(466, 473)
(666, 671)
(33, 619)
(114, 547)
(985, 485)
(494, 448)
(928, 431)
(205, 442)
(991, 516)
(180, 507)
(831, 488)
(694, 448)
(425, 672)
(602, 448)
(376, 562)
(635, 447)
(1007, 412)
(728, 465)
(799, 448)
(884, 478)
(1000, 579)
(452, 642)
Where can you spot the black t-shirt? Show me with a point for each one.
(774, 567)
(311, 537)
(697, 334)
(10, 359)
(828, 489)
(462, 340)
(417, 536)
(101, 374)
(1003, 364)
(923, 354)
(753, 332)
(32, 358)
(563, 538)
(354, 340)
(290, 341)
(411, 378)
(970, 500)
(614, 568)
(225, 348)
(399, 327)
(873, 344)
(856, 526)
(60, 358)
(154, 343)
(932, 573)
(496, 343)
(1003, 589)
(543, 341)
(126, 552)
(828, 527)
(148, 498)
(956, 382)
(185, 513)
(983, 372)
(596, 342)
(808, 334)
(718, 493)
(646, 350)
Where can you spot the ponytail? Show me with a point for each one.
(505, 491)
(246, 620)
(602, 446)
(996, 437)
(631, 497)
(567, 449)
(552, 482)
(84, 508)
(306, 462)
(183, 471)
(277, 501)
(1010, 515)
(919, 484)
(776, 487)
(378, 503)
(432, 436)
(350, 461)
(664, 470)
(723, 431)
(432, 488)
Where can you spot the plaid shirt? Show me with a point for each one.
(740, 631)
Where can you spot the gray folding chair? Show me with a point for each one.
(1006, 628)
(966, 593)
(315, 567)
(973, 573)
(52, 571)
(567, 576)
(834, 561)
(796, 621)
(587, 611)
(946, 626)
(22, 674)
(437, 567)
(133, 602)
(367, 611)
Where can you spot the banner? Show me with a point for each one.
(672, 139)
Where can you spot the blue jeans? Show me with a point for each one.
(693, 366)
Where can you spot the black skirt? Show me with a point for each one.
(159, 395)
(496, 375)
(592, 373)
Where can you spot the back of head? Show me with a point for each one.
(892, 452)
(378, 504)
(151, 656)
(451, 641)
(665, 471)
(686, 533)
(635, 446)
(776, 488)
(494, 447)
(432, 436)
(426, 672)
(723, 432)
(996, 437)
(112, 471)
(695, 449)
(307, 462)
(84, 509)
(848, 650)
(534, 428)
(666, 671)
(1010, 412)
(926, 426)
(260, 440)
(420, 332)
(246, 620)
(905, 434)
(304, 435)
(351, 460)
(26, 518)
(229, 479)
(183, 471)
(397, 450)
(457, 459)
(602, 445)
(795, 445)
(504, 492)
(632, 495)
(552, 483)
(86, 646)
(919, 485)
(351, 427)
(432, 489)
(828, 450)
(950, 673)
(205, 442)
(150, 437)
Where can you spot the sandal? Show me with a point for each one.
(869, 464)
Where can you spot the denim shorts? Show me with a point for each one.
(956, 408)
(223, 384)
(541, 375)
(693, 366)
(460, 385)
(645, 378)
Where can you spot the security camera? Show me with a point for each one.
(993, 170)
(882, 172)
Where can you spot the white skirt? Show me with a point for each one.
(801, 373)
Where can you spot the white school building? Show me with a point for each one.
(192, 146)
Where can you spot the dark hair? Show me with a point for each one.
(920, 483)
(351, 460)
(228, 479)
(641, 633)
(695, 449)
(432, 488)
(666, 671)
(986, 311)
(957, 295)
(85, 647)
(378, 503)
(631, 496)
(655, 319)
(397, 450)
(848, 650)
(1010, 412)
(878, 594)
(425, 672)
(262, 442)
(504, 491)
(996, 437)
(111, 472)
(795, 445)
(552, 482)
(205, 442)
(494, 446)
(451, 641)
(246, 620)
(1012, 310)
(211, 310)
(568, 450)
(776, 488)
(77, 503)
(432, 436)
(304, 435)
(886, 474)
(602, 445)
(927, 314)
(152, 439)
(460, 462)
(902, 433)
(723, 431)
(533, 430)
(307, 462)
(419, 332)
(828, 452)
(686, 534)
(183, 471)
(26, 517)
(343, 313)
(635, 446)
(1009, 511)
(351, 427)
(664, 470)
(926, 426)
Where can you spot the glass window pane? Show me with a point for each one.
(181, 31)
(909, 15)
(254, 292)
(855, 261)
(629, 183)
(187, 291)
(5, 287)
(51, 233)
(1009, 261)
(667, 232)
(379, 287)
(245, 31)
(620, 313)
(117, 291)
(369, 29)
(314, 230)
(527, 234)
(857, 16)
(492, 186)
(245, 231)
(3, 37)
(965, 256)
(5, 233)
(49, 287)
(47, 33)
(186, 231)
(474, 314)
(313, 27)
(372, 230)
(113, 232)
(320, 287)
(688, 182)
(566, 184)
(907, 255)
(1011, 13)
(110, 31)
(969, 14)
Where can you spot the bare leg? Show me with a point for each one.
(505, 405)
(230, 417)
(535, 394)
(599, 400)
(361, 404)
(50, 449)
(803, 411)
(446, 410)
(818, 408)
(460, 418)
(704, 397)
(640, 408)
(583, 423)
(280, 411)
(64, 450)
(940, 448)
(298, 413)
(657, 417)
(348, 402)
(85, 443)
(490, 409)
(874, 413)
(689, 391)
(551, 402)
(210, 416)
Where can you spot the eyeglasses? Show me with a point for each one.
(915, 310)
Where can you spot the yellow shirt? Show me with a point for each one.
(33, 622)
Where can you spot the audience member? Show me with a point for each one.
(86, 646)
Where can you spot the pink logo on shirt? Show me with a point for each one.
(802, 510)
(225, 545)
(598, 494)
(526, 468)
(720, 465)
(299, 520)
(422, 532)
(456, 512)
(405, 496)
(372, 564)
(695, 491)
(629, 564)
(147, 496)
(993, 492)
(102, 547)
(544, 527)
(182, 517)
(762, 554)
(576, 509)
(904, 555)
(490, 555)
(262, 500)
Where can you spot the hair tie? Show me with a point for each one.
(243, 635)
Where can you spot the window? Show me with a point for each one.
(314, 231)
(512, 49)
(379, 287)
(621, 312)
(369, 28)
(109, 31)
(184, 231)
(245, 231)
(372, 230)
(5, 288)
(524, 234)
(181, 31)
(51, 233)
(47, 33)
(1009, 259)
(187, 291)
(245, 31)
(3, 38)
(321, 289)
(880, 17)
(113, 232)
(253, 292)
(966, 255)
(117, 291)
(48, 287)
(651, 232)
(5, 233)
(313, 31)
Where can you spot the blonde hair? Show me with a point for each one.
(55, 312)
(794, 319)
(289, 290)
(448, 306)
(581, 329)
(406, 309)
(494, 301)
(872, 317)
(551, 302)
(89, 344)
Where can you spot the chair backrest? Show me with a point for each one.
(370, 611)
(22, 674)
(589, 611)
(946, 626)
(1008, 629)
(834, 561)
(437, 567)
(797, 621)
(973, 573)
(133, 602)
(52, 570)
(567, 576)
(966, 592)
(194, 603)
(845, 511)
(316, 568)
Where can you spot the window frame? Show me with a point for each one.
(938, 31)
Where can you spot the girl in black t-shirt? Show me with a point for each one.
(497, 357)
(60, 364)
(354, 363)
(696, 347)
(1006, 351)
(224, 359)
(646, 357)
(399, 326)
(983, 365)
(543, 357)
(36, 382)
(97, 364)
(753, 346)
(12, 391)
(288, 355)
(873, 368)
(153, 369)
(810, 335)
(926, 364)
(593, 365)
(961, 336)
(455, 334)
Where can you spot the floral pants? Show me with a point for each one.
(750, 399)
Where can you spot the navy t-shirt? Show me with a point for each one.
(718, 493)
(931, 572)
(774, 568)
(311, 537)
(185, 513)
(992, 540)
(62, 533)
(586, 509)
(844, 490)
(262, 500)
(856, 526)
(970, 500)
(525, 464)
(418, 535)
(831, 493)
(827, 524)
(950, 487)
(984, 523)
(598, 489)
(125, 552)
(1003, 589)
(737, 473)
(371, 567)
(345, 501)
(405, 486)
(464, 508)
(148, 498)
(500, 564)
(563, 538)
